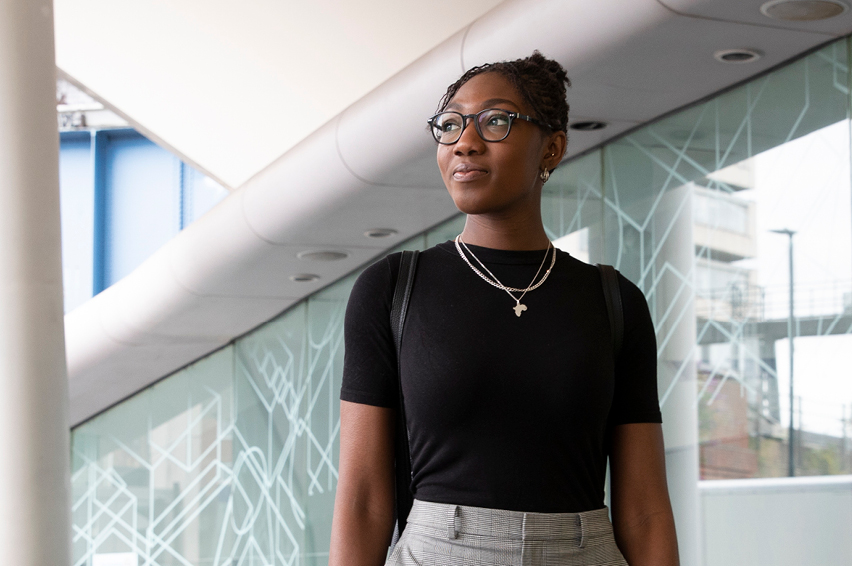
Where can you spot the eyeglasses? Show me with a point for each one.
(492, 124)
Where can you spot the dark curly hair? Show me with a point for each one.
(542, 83)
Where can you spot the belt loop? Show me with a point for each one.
(453, 523)
(582, 531)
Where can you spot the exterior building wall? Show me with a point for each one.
(233, 460)
(726, 450)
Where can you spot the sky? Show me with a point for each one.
(821, 377)
(804, 185)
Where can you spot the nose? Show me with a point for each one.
(470, 142)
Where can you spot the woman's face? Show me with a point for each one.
(492, 177)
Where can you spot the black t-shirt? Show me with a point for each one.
(503, 411)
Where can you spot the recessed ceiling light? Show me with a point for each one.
(304, 277)
(588, 126)
(803, 10)
(737, 56)
(322, 255)
(380, 232)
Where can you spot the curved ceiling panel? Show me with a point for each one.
(383, 138)
(648, 61)
(573, 32)
(282, 202)
(748, 12)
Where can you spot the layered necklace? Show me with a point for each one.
(492, 280)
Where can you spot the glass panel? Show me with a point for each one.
(153, 478)
(691, 202)
(287, 385)
(572, 207)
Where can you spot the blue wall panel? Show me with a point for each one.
(142, 202)
(122, 198)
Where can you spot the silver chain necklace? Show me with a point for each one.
(519, 307)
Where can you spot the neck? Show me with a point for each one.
(521, 232)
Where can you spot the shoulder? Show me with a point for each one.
(634, 304)
(378, 277)
(377, 282)
(639, 332)
(373, 288)
(631, 294)
(385, 271)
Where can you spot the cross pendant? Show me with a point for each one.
(519, 308)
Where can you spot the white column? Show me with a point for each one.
(34, 436)
(677, 371)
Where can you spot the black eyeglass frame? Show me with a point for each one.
(475, 117)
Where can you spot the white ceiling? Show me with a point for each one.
(231, 86)
(748, 12)
(630, 61)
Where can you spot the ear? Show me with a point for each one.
(553, 150)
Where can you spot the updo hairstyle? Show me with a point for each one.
(542, 83)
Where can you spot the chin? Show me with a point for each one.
(470, 203)
(471, 210)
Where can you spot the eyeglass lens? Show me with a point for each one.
(492, 125)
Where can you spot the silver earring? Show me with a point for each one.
(545, 175)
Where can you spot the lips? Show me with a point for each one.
(468, 172)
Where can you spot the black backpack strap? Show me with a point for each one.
(612, 295)
(399, 308)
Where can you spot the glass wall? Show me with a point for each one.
(234, 459)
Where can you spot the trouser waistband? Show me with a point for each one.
(456, 520)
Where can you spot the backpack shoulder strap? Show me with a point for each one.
(612, 295)
(402, 294)
(399, 308)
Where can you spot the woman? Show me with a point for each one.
(513, 399)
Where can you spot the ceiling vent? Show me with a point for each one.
(322, 255)
(588, 126)
(737, 55)
(803, 10)
(380, 232)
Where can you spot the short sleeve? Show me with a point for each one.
(369, 360)
(635, 398)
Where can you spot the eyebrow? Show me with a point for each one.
(488, 103)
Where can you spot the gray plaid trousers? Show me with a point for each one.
(440, 534)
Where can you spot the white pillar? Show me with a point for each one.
(34, 436)
(676, 362)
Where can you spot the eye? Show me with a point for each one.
(497, 120)
(449, 125)
(494, 124)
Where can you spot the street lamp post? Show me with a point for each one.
(791, 467)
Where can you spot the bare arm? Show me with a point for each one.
(363, 506)
(641, 511)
